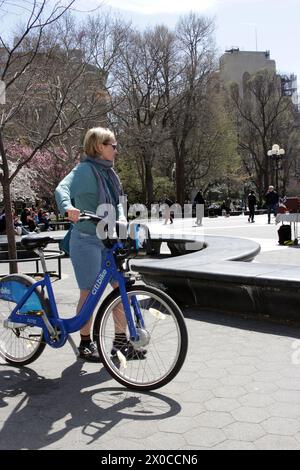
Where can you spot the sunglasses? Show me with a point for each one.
(114, 146)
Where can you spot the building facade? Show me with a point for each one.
(235, 65)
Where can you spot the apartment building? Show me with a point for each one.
(236, 65)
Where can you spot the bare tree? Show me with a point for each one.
(141, 90)
(53, 89)
(212, 158)
(187, 92)
(264, 116)
(162, 81)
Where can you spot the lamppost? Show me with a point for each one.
(276, 154)
(174, 174)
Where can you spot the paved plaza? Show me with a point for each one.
(238, 389)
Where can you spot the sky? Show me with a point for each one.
(262, 25)
(248, 24)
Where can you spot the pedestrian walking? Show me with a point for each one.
(251, 205)
(199, 203)
(272, 199)
(167, 215)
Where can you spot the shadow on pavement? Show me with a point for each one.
(245, 323)
(49, 409)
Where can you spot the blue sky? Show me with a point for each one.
(272, 24)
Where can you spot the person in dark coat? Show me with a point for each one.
(199, 201)
(272, 199)
(251, 204)
(168, 215)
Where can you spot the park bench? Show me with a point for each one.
(24, 256)
(30, 256)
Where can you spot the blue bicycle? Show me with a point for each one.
(154, 324)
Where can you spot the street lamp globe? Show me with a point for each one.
(276, 150)
(276, 153)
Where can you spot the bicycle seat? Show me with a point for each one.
(30, 242)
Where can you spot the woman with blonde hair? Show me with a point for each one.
(91, 183)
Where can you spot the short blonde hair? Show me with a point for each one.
(94, 137)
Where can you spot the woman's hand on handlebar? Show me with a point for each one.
(73, 214)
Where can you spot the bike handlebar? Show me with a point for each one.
(87, 215)
(123, 233)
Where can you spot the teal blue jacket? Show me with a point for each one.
(79, 189)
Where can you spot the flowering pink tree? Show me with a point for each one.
(23, 66)
(53, 92)
(50, 166)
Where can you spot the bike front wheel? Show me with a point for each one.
(163, 352)
(19, 344)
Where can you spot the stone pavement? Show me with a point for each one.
(238, 389)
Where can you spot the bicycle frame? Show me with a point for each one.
(56, 329)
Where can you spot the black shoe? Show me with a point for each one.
(128, 351)
(89, 353)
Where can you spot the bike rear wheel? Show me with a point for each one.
(166, 339)
(19, 345)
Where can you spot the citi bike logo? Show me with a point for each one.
(2, 92)
(99, 282)
(4, 291)
(296, 353)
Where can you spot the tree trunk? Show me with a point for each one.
(180, 180)
(11, 241)
(149, 183)
(180, 175)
